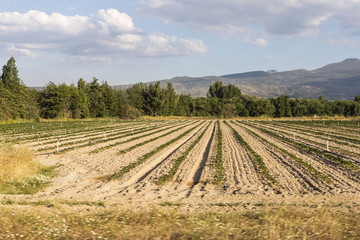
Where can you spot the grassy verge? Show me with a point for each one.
(263, 168)
(281, 222)
(20, 173)
(219, 157)
(301, 162)
(146, 156)
(164, 178)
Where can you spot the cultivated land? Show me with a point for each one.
(194, 166)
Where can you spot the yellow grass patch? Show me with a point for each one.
(16, 163)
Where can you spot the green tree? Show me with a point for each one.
(282, 105)
(182, 107)
(357, 99)
(168, 100)
(135, 95)
(82, 87)
(152, 99)
(97, 106)
(216, 90)
(9, 76)
(109, 98)
(50, 101)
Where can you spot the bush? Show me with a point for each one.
(129, 112)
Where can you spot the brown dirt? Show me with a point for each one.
(193, 183)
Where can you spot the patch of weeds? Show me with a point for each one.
(83, 203)
(219, 157)
(170, 204)
(259, 204)
(7, 202)
(338, 204)
(235, 204)
(31, 184)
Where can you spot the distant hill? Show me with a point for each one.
(336, 81)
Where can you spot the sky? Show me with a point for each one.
(129, 41)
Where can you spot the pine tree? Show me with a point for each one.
(9, 76)
(83, 101)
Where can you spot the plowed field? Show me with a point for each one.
(143, 162)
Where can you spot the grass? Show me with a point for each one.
(49, 203)
(167, 222)
(20, 173)
(16, 163)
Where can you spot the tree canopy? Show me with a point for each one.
(99, 99)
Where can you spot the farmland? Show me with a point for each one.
(195, 165)
(181, 159)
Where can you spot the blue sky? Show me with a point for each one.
(127, 41)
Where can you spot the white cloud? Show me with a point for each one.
(107, 35)
(260, 42)
(275, 17)
(116, 21)
(22, 52)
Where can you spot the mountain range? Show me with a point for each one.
(336, 81)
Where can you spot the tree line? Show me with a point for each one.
(94, 99)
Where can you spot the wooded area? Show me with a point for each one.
(94, 99)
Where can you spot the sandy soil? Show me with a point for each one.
(193, 183)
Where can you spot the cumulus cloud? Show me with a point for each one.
(21, 52)
(275, 17)
(109, 34)
(257, 41)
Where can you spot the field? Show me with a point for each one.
(195, 165)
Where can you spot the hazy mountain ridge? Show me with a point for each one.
(336, 81)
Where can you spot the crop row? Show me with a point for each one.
(311, 149)
(300, 134)
(116, 137)
(263, 168)
(179, 160)
(139, 137)
(301, 162)
(146, 156)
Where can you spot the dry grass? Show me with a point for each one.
(280, 222)
(16, 163)
(20, 173)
